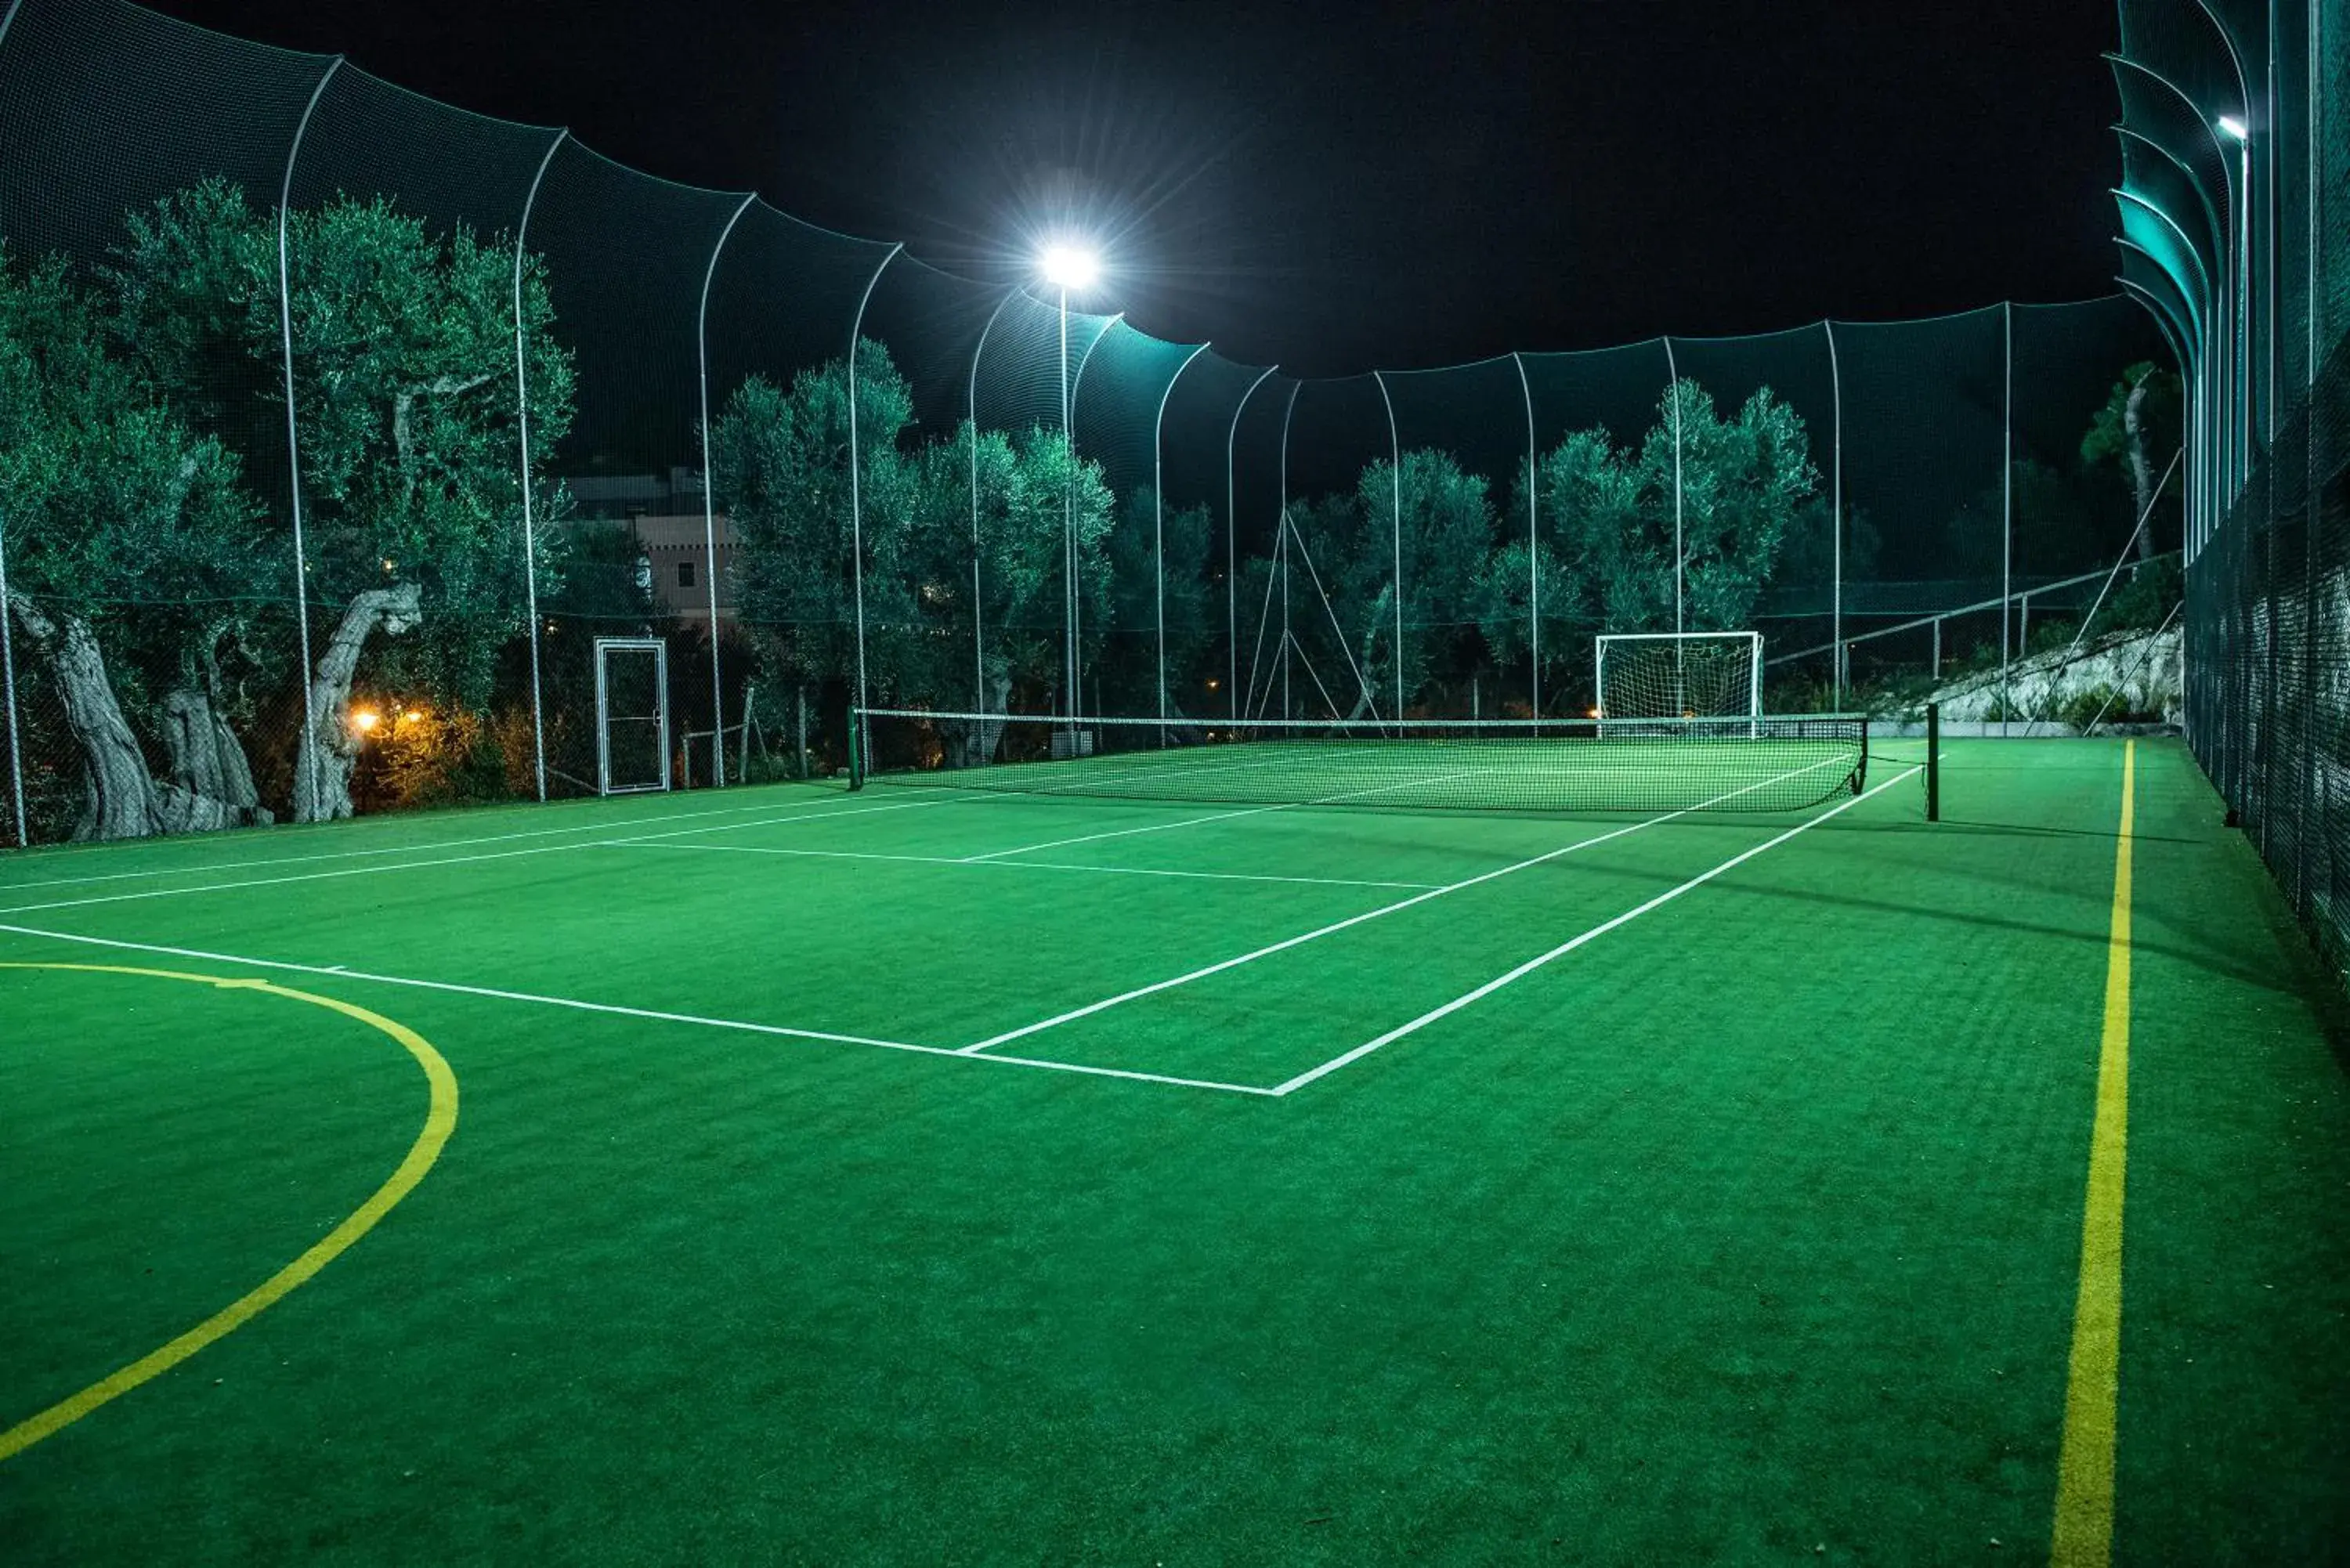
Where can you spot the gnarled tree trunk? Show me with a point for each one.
(210, 784)
(322, 776)
(2141, 468)
(971, 743)
(120, 799)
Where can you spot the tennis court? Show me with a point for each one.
(967, 1176)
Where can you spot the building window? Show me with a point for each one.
(685, 574)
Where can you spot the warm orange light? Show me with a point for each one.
(413, 714)
(1591, 712)
(365, 719)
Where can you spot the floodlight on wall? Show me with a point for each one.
(2235, 127)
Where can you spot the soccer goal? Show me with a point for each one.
(631, 715)
(1677, 675)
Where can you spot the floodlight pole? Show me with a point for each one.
(1069, 531)
(2244, 291)
(522, 425)
(1158, 526)
(1071, 385)
(1231, 531)
(305, 752)
(1395, 526)
(978, 643)
(1534, 539)
(856, 496)
(709, 502)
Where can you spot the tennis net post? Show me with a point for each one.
(1933, 761)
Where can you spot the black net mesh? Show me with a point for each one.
(997, 521)
(2239, 250)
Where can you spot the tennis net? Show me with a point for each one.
(1783, 763)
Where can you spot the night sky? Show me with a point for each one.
(1338, 187)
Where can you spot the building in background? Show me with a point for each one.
(664, 514)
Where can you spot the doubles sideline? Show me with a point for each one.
(467, 859)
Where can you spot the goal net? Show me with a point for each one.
(1679, 676)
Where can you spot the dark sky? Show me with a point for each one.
(1336, 187)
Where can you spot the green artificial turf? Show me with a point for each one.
(1748, 1229)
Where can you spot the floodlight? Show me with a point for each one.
(1068, 267)
(365, 719)
(2235, 127)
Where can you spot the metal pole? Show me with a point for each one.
(1673, 393)
(1395, 521)
(2244, 297)
(970, 409)
(1287, 414)
(1232, 551)
(2270, 231)
(1070, 387)
(7, 647)
(1069, 528)
(306, 751)
(522, 418)
(855, 485)
(1835, 523)
(1534, 539)
(1159, 525)
(2007, 508)
(709, 500)
(8, 691)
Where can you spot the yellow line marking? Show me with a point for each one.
(2084, 1464)
(439, 1121)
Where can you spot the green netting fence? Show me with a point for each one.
(343, 429)
(2235, 230)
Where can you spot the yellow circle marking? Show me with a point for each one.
(439, 1121)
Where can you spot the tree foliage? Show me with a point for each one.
(780, 463)
(131, 541)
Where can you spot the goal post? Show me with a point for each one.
(631, 715)
(1677, 675)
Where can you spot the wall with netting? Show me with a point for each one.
(824, 472)
(2235, 228)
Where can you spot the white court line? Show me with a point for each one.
(1115, 833)
(944, 799)
(1336, 926)
(656, 1015)
(1532, 964)
(1017, 864)
(425, 847)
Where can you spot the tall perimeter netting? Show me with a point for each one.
(823, 475)
(2238, 246)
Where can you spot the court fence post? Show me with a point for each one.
(1933, 761)
(856, 722)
